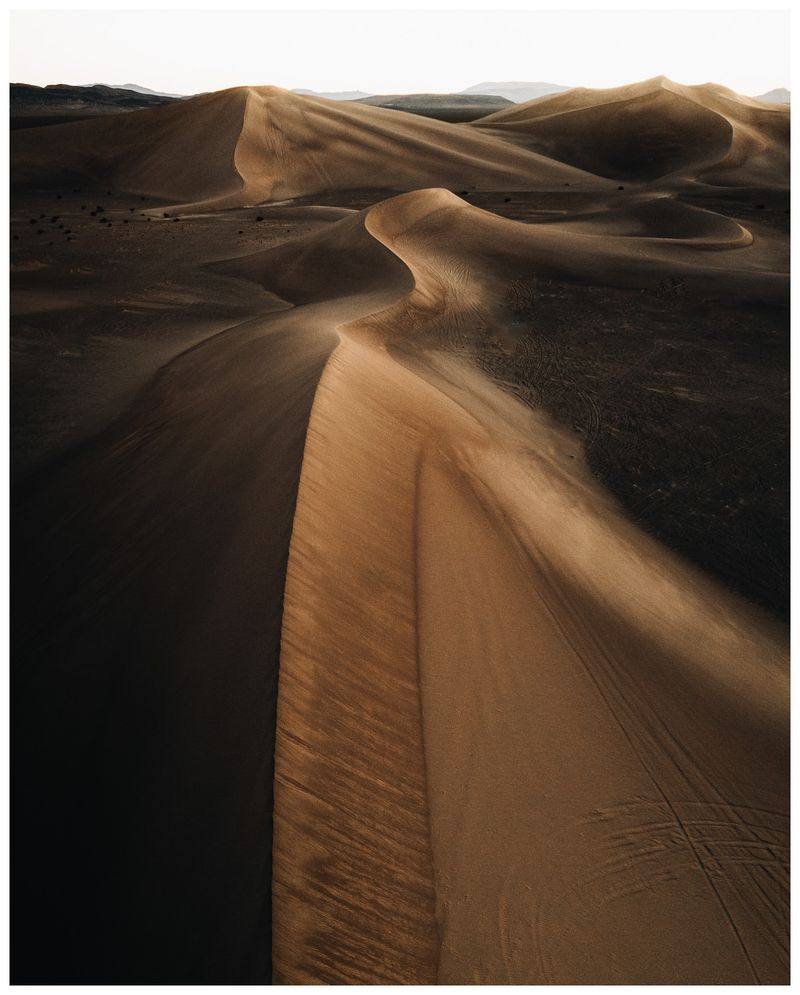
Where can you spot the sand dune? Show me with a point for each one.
(254, 144)
(250, 145)
(584, 772)
(655, 129)
(516, 740)
(456, 250)
(443, 239)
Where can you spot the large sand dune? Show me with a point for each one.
(654, 129)
(254, 144)
(583, 770)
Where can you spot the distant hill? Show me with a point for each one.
(34, 106)
(517, 93)
(337, 95)
(779, 96)
(143, 89)
(456, 108)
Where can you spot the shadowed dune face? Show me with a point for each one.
(163, 152)
(158, 554)
(654, 129)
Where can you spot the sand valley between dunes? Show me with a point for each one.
(392, 600)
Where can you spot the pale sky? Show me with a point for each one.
(400, 51)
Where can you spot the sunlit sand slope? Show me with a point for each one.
(517, 741)
(253, 144)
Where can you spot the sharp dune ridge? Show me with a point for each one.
(354, 673)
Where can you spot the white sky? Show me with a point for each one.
(395, 51)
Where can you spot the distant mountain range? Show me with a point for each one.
(517, 93)
(779, 96)
(458, 108)
(337, 95)
(61, 102)
(143, 89)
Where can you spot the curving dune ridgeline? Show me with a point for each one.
(591, 753)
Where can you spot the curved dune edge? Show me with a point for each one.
(517, 740)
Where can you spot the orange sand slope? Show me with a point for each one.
(253, 144)
(518, 741)
(654, 129)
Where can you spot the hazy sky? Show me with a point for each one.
(385, 51)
